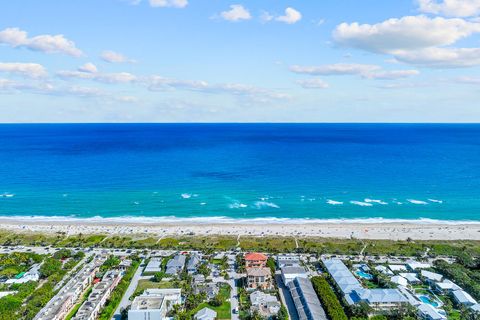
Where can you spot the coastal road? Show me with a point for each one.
(125, 302)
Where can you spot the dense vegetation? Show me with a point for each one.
(465, 277)
(212, 243)
(329, 300)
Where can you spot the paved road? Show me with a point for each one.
(125, 302)
(233, 295)
(286, 298)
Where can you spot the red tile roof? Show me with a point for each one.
(253, 256)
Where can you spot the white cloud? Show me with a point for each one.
(407, 33)
(30, 70)
(368, 71)
(335, 69)
(291, 16)
(115, 57)
(236, 13)
(314, 83)
(450, 8)
(88, 67)
(391, 75)
(169, 3)
(468, 80)
(441, 57)
(119, 77)
(17, 38)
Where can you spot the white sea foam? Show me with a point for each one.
(413, 201)
(203, 203)
(435, 201)
(186, 195)
(237, 205)
(7, 195)
(362, 204)
(334, 203)
(375, 201)
(265, 204)
(227, 220)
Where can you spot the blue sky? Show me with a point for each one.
(240, 61)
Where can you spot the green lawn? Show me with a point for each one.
(148, 284)
(223, 311)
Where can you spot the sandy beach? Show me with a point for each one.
(346, 229)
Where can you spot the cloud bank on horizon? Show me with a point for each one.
(191, 61)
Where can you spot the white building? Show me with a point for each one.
(290, 273)
(154, 304)
(266, 304)
(463, 298)
(414, 265)
(431, 276)
(31, 275)
(397, 267)
(399, 280)
(428, 312)
(411, 277)
(205, 314)
(154, 265)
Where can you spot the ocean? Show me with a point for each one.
(226, 172)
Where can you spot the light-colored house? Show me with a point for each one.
(428, 312)
(431, 277)
(175, 265)
(463, 298)
(397, 267)
(154, 304)
(476, 308)
(399, 280)
(290, 273)
(33, 274)
(205, 314)
(266, 304)
(306, 300)
(384, 270)
(153, 266)
(259, 278)
(446, 286)
(411, 277)
(287, 260)
(193, 263)
(414, 265)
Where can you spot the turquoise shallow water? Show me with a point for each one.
(241, 171)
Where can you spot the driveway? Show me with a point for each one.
(125, 302)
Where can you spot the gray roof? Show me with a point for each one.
(476, 307)
(431, 275)
(345, 280)
(193, 262)
(372, 296)
(293, 270)
(306, 301)
(175, 264)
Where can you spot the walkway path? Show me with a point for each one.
(125, 302)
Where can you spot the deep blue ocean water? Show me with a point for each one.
(316, 171)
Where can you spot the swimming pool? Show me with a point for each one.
(364, 275)
(428, 300)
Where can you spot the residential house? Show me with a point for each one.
(414, 265)
(255, 260)
(305, 299)
(290, 273)
(431, 277)
(399, 280)
(176, 265)
(205, 314)
(266, 305)
(193, 263)
(411, 277)
(463, 298)
(428, 312)
(154, 304)
(153, 266)
(259, 278)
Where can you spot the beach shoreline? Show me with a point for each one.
(343, 229)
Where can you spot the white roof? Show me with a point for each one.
(397, 267)
(432, 313)
(411, 277)
(399, 280)
(447, 285)
(206, 313)
(476, 307)
(418, 265)
(432, 275)
(463, 297)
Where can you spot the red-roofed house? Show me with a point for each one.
(255, 260)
